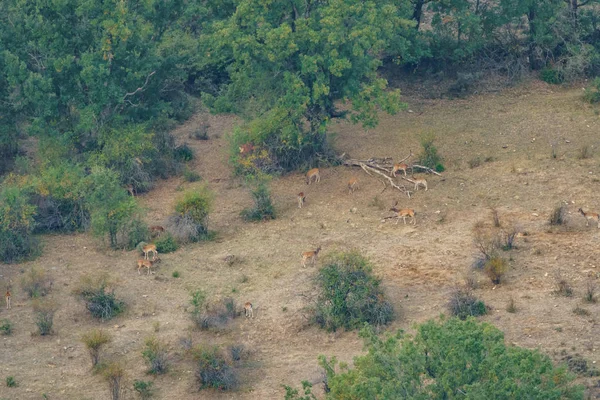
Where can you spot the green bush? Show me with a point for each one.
(592, 94)
(44, 316)
(156, 356)
(448, 359)
(552, 76)
(16, 225)
(144, 388)
(6, 327)
(213, 370)
(495, 268)
(11, 382)
(190, 223)
(100, 301)
(133, 232)
(93, 341)
(184, 153)
(214, 315)
(166, 243)
(35, 283)
(191, 176)
(263, 206)
(114, 373)
(349, 295)
(463, 304)
(429, 156)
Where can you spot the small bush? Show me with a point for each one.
(508, 238)
(176, 274)
(584, 152)
(144, 388)
(156, 356)
(166, 243)
(582, 312)
(552, 76)
(191, 176)
(474, 162)
(11, 382)
(486, 242)
(592, 94)
(590, 292)
(263, 205)
(495, 268)
(512, 306)
(16, 226)
(237, 351)
(93, 341)
(114, 373)
(429, 156)
(191, 221)
(44, 316)
(495, 218)
(100, 301)
(463, 304)
(563, 288)
(213, 370)
(215, 315)
(349, 294)
(35, 283)
(558, 215)
(201, 133)
(135, 231)
(6, 327)
(183, 153)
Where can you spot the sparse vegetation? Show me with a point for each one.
(237, 351)
(176, 274)
(200, 133)
(584, 152)
(495, 268)
(166, 243)
(191, 176)
(464, 304)
(582, 312)
(590, 292)
(144, 389)
(183, 153)
(508, 236)
(35, 283)
(429, 156)
(592, 93)
(215, 315)
(11, 382)
(99, 297)
(563, 288)
(263, 206)
(156, 356)
(213, 370)
(114, 373)
(377, 203)
(6, 327)
(349, 294)
(93, 341)
(512, 306)
(44, 316)
(474, 162)
(495, 218)
(558, 215)
(17, 242)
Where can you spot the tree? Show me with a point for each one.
(448, 359)
(16, 224)
(289, 62)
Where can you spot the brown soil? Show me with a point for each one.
(420, 265)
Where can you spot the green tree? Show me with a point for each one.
(16, 224)
(448, 359)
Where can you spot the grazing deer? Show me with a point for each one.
(420, 182)
(313, 173)
(248, 310)
(399, 167)
(403, 213)
(156, 230)
(150, 248)
(590, 216)
(301, 199)
(310, 255)
(141, 263)
(7, 297)
(352, 185)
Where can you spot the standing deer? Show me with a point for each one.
(301, 199)
(310, 255)
(399, 167)
(403, 213)
(352, 185)
(248, 310)
(590, 216)
(313, 173)
(7, 296)
(150, 248)
(420, 182)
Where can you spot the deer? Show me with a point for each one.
(590, 216)
(130, 189)
(7, 296)
(313, 173)
(246, 148)
(301, 199)
(399, 167)
(352, 185)
(141, 263)
(310, 255)
(420, 182)
(403, 213)
(156, 230)
(248, 310)
(150, 248)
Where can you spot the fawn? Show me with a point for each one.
(248, 310)
(403, 213)
(310, 255)
(313, 173)
(7, 297)
(352, 185)
(301, 199)
(399, 167)
(420, 182)
(590, 216)
(150, 248)
(141, 263)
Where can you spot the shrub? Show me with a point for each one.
(99, 299)
(444, 360)
(495, 268)
(495, 218)
(132, 233)
(201, 133)
(183, 153)
(582, 312)
(144, 388)
(191, 221)
(508, 238)
(44, 316)
(474, 162)
(166, 243)
(590, 292)
(191, 176)
(558, 215)
(293, 394)
(215, 315)
(263, 206)
(16, 226)
(213, 370)
(6, 327)
(114, 373)
(512, 306)
(176, 274)
(349, 295)
(35, 283)
(592, 94)
(552, 76)
(237, 351)
(463, 304)
(585, 152)
(156, 356)
(429, 156)
(93, 341)
(11, 382)
(563, 288)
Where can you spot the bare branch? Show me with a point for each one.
(140, 88)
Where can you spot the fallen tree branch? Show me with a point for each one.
(367, 168)
(427, 169)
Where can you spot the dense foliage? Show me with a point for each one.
(446, 359)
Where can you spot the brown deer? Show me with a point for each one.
(141, 263)
(7, 296)
(248, 310)
(403, 213)
(150, 248)
(420, 182)
(590, 216)
(352, 185)
(246, 148)
(310, 255)
(313, 173)
(156, 230)
(399, 167)
(301, 199)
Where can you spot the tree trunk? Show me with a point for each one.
(418, 12)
